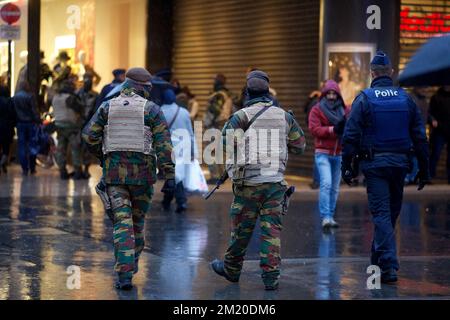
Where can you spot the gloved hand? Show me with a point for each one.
(169, 186)
(422, 178)
(348, 174)
(339, 128)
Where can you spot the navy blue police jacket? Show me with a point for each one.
(361, 117)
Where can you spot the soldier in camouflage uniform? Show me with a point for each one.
(68, 111)
(220, 104)
(129, 134)
(258, 190)
(88, 97)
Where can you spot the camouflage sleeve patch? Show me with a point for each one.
(237, 121)
(296, 136)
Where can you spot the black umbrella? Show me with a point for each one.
(430, 66)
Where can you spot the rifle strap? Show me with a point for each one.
(256, 116)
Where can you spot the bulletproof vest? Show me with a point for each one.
(388, 127)
(61, 110)
(263, 156)
(126, 129)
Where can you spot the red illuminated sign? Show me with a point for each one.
(428, 24)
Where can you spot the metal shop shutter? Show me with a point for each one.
(280, 37)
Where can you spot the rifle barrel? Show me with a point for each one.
(211, 192)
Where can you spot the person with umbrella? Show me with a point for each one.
(384, 124)
(440, 133)
(430, 66)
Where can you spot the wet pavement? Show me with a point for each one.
(48, 225)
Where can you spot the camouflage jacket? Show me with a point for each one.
(132, 168)
(219, 108)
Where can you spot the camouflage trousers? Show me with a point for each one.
(68, 138)
(129, 203)
(250, 202)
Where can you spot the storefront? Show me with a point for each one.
(299, 43)
(104, 34)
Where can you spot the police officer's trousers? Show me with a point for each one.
(385, 194)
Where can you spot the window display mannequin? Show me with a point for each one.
(83, 68)
(23, 73)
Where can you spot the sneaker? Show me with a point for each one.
(326, 223)
(334, 224)
(125, 284)
(218, 267)
(389, 276)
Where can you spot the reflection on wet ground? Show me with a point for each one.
(47, 225)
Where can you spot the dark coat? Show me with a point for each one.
(440, 111)
(25, 106)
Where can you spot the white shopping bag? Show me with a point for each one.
(194, 180)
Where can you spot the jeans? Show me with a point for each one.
(329, 168)
(180, 196)
(26, 133)
(315, 174)
(385, 194)
(438, 142)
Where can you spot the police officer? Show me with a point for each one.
(129, 134)
(384, 125)
(258, 186)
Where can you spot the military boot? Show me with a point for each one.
(63, 174)
(124, 284)
(78, 174)
(86, 172)
(270, 280)
(219, 268)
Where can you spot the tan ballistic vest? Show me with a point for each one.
(265, 148)
(61, 111)
(126, 129)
